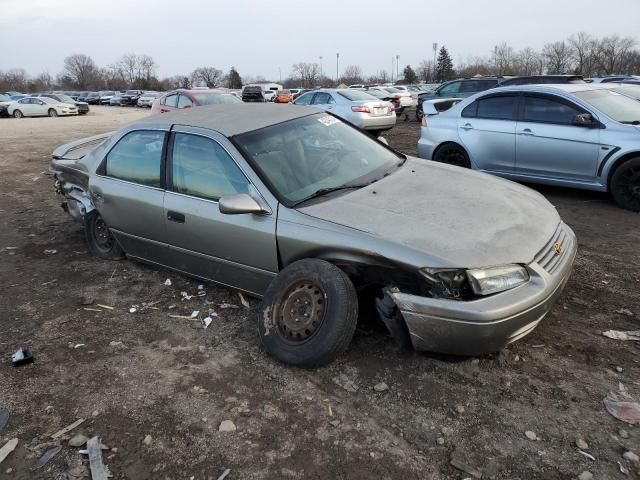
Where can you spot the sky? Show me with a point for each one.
(266, 38)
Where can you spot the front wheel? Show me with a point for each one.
(453, 154)
(309, 314)
(52, 112)
(17, 114)
(625, 185)
(101, 241)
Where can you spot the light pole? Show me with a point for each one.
(435, 52)
(397, 67)
(337, 69)
(320, 57)
(391, 69)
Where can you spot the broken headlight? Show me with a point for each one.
(485, 281)
(447, 283)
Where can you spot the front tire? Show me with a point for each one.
(309, 314)
(18, 114)
(625, 185)
(52, 112)
(101, 241)
(453, 154)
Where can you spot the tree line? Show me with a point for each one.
(579, 54)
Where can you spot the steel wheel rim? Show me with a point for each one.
(301, 312)
(103, 237)
(454, 156)
(629, 185)
(17, 114)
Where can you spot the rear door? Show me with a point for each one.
(184, 101)
(128, 191)
(169, 103)
(548, 144)
(323, 100)
(235, 250)
(487, 130)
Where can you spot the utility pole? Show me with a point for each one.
(280, 73)
(397, 67)
(337, 68)
(320, 57)
(392, 69)
(435, 53)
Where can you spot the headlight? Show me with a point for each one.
(485, 281)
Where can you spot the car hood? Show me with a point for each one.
(465, 218)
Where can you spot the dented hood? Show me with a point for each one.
(465, 218)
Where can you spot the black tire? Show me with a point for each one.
(453, 154)
(17, 114)
(625, 185)
(52, 112)
(309, 314)
(419, 113)
(101, 241)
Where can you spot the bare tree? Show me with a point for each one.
(209, 76)
(558, 57)
(503, 57)
(307, 73)
(14, 80)
(614, 53)
(527, 62)
(352, 74)
(426, 71)
(81, 70)
(583, 53)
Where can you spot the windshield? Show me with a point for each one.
(304, 155)
(377, 93)
(131, 92)
(613, 104)
(632, 91)
(4, 98)
(356, 95)
(392, 90)
(215, 98)
(66, 99)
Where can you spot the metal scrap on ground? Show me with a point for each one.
(48, 455)
(224, 474)
(622, 335)
(4, 418)
(621, 406)
(8, 447)
(68, 428)
(95, 459)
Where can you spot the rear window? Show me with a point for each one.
(252, 89)
(215, 98)
(496, 108)
(356, 95)
(137, 158)
(284, 92)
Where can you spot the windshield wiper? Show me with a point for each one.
(631, 122)
(324, 191)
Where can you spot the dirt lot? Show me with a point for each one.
(130, 375)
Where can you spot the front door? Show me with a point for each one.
(235, 250)
(548, 144)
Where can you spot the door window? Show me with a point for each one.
(304, 99)
(322, 98)
(171, 100)
(202, 168)
(184, 101)
(137, 158)
(547, 110)
(497, 108)
(450, 90)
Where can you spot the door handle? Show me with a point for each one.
(467, 126)
(526, 131)
(163, 110)
(175, 217)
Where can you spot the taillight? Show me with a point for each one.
(392, 109)
(360, 109)
(424, 121)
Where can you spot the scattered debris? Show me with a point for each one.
(133, 309)
(48, 455)
(622, 335)
(148, 439)
(195, 314)
(585, 476)
(79, 345)
(623, 469)
(582, 444)
(623, 433)
(629, 455)
(622, 407)
(224, 306)
(22, 357)
(50, 252)
(104, 306)
(440, 440)
(167, 282)
(460, 409)
(587, 455)
(78, 441)
(343, 381)
(207, 321)
(381, 387)
(227, 426)
(68, 428)
(8, 447)
(458, 460)
(335, 423)
(87, 301)
(183, 317)
(244, 301)
(531, 435)
(93, 310)
(619, 369)
(95, 459)
(4, 419)
(186, 296)
(116, 344)
(625, 311)
(224, 474)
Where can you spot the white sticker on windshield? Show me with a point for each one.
(328, 120)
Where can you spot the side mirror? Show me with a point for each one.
(583, 120)
(239, 203)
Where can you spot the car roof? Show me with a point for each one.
(549, 88)
(232, 119)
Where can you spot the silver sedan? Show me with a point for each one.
(296, 206)
(359, 108)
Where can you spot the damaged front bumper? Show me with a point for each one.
(489, 324)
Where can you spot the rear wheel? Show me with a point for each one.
(52, 112)
(625, 185)
(101, 241)
(17, 114)
(453, 154)
(309, 313)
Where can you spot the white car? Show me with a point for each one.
(40, 107)
(269, 95)
(147, 98)
(403, 97)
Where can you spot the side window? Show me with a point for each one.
(322, 98)
(497, 108)
(201, 167)
(171, 100)
(184, 102)
(450, 90)
(304, 99)
(137, 158)
(546, 110)
(24, 100)
(471, 87)
(470, 111)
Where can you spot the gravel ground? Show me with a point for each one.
(156, 389)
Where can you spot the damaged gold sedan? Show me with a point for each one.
(302, 209)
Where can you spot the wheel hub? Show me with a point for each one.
(301, 312)
(102, 234)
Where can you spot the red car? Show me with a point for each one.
(183, 98)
